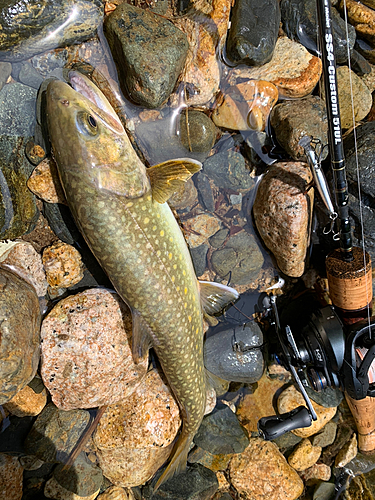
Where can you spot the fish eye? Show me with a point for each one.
(92, 121)
(87, 124)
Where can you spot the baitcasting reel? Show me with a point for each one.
(320, 352)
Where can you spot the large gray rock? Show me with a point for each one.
(17, 109)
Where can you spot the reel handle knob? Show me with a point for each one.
(277, 425)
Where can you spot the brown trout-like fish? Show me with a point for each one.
(120, 207)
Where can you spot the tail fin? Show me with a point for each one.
(178, 460)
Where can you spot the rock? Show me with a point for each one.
(149, 52)
(199, 257)
(19, 334)
(213, 462)
(197, 131)
(290, 398)
(27, 402)
(11, 479)
(116, 493)
(293, 70)
(343, 436)
(316, 473)
(218, 239)
(55, 433)
(323, 491)
(282, 212)
(304, 455)
(292, 120)
(185, 197)
(220, 433)
(30, 462)
(328, 397)
(29, 76)
(18, 211)
(45, 183)
(299, 20)
(206, 27)
(199, 228)
(362, 18)
(240, 259)
(31, 28)
(228, 170)
(205, 193)
(231, 353)
(63, 265)
(130, 455)
(286, 442)
(253, 32)
(54, 490)
(17, 110)
(347, 453)
(246, 106)
(86, 351)
(5, 71)
(326, 436)
(34, 152)
(196, 482)
(250, 473)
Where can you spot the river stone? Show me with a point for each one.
(217, 240)
(5, 71)
(55, 433)
(362, 18)
(229, 353)
(240, 259)
(27, 402)
(299, 18)
(17, 109)
(45, 182)
(205, 194)
(213, 462)
(228, 171)
(117, 493)
(282, 213)
(30, 27)
(199, 228)
(253, 32)
(221, 433)
(199, 257)
(11, 478)
(292, 120)
(304, 455)
(326, 436)
(197, 131)
(63, 265)
(149, 52)
(19, 334)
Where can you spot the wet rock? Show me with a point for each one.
(34, 152)
(290, 398)
(18, 211)
(205, 26)
(205, 193)
(185, 197)
(253, 32)
(86, 351)
(199, 228)
(199, 256)
(5, 71)
(61, 222)
(328, 397)
(286, 442)
(231, 354)
(44, 182)
(31, 28)
(130, 455)
(323, 491)
(63, 265)
(228, 170)
(197, 131)
(250, 473)
(343, 436)
(149, 51)
(326, 436)
(19, 334)
(29, 76)
(17, 109)
(304, 455)
(292, 120)
(240, 259)
(116, 493)
(300, 23)
(282, 212)
(347, 453)
(316, 474)
(55, 433)
(11, 479)
(221, 433)
(27, 402)
(362, 18)
(293, 70)
(218, 239)
(246, 106)
(213, 462)
(30, 462)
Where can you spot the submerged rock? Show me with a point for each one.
(253, 31)
(29, 401)
(17, 110)
(63, 265)
(30, 27)
(197, 131)
(45, 182)
(149, 52)
(228, 170)
(11, 477)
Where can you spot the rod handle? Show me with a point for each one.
(363, 411)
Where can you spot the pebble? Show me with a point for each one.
(217, 462)
(324, 491)
(362, 18)
(262, 473)
(55, 433)
(86, 351)
(290, 398)
(326, 436)
(47, 26)
(282, 213)
(293, 70)
(304, 455)
(347, 452)
(34, 152)
(199, 257)
(197, 131)
(199, 228)
(294, 119)
(5, 71)
(11, 478)
(63, 265)
(19, 334)
(246, 106)
(116, 493)
(218, 239)
(28, 75)
(205, 193)
(44, 182)
(228, 170)
(27, 402)
(17, 109)
(316, 473)
(130, 455)
(185, 197)
(239, 261)
(149, 51)
(205, 34)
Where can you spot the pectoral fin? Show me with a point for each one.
(215, 296)
(141, 338)
(169, 176)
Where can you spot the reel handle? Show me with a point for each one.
(276, 425)
(363, 411)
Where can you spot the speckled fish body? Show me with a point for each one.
(135, 239)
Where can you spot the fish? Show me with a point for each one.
(121, 208)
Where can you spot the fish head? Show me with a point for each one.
(89, 140)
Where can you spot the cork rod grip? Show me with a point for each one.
(363, 411)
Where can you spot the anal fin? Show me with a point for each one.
(141, 338)
(215, 296)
